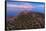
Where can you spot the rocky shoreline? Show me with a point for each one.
(26, 20)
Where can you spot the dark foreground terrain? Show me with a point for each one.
(26, 20)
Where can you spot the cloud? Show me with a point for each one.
(20, 6)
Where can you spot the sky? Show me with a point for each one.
(14, 8)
